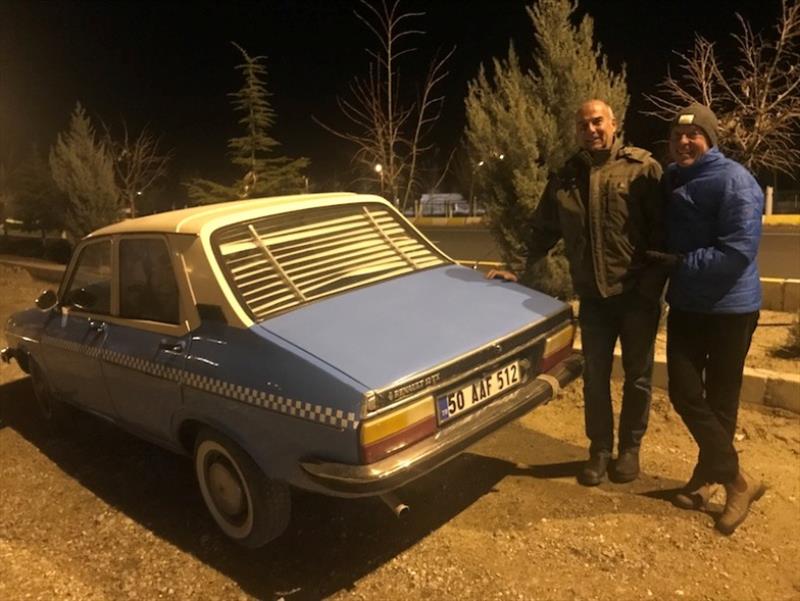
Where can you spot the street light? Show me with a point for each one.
(477, 166)
(379, 170)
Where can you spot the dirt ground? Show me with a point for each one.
(88, 512)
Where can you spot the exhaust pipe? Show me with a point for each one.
(399, 508)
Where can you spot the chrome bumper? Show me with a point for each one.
(424, 456)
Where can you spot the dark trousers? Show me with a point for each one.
(705, 361)
(633, 319)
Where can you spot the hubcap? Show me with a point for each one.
(226, 489)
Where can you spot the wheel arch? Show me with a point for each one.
(190, 427)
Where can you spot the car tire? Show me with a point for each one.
(49, 407)
(248, 507)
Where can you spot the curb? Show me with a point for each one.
(42, 270)
(781, 219)
(759, 386)
(780, 294)
(448, 221)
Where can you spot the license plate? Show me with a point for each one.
(477, 392)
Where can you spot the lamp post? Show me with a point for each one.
(472, 187)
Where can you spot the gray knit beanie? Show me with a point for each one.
(701, 116)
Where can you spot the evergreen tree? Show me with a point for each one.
(36, 200)
(263, 174)
(521, 127)
(83, 169)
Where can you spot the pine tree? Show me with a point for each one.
(263, 174)
(521, 127)
(83, 169)
(36, 200)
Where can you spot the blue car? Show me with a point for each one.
(290, 342)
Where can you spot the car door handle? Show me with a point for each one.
(97, 325)
(170, 347)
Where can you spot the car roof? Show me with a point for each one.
(193, 220)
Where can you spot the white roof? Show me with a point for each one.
(193, 220)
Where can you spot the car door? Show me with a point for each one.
(74, 335)
(145, 345)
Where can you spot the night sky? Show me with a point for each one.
(171, 65)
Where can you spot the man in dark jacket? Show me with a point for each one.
(713, 229)
(606, 205)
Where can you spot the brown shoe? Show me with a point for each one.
(693, 498)
(695, 494)
(741, 493)
(626, 467)
(594, 470)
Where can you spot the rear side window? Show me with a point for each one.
(278, 262)
(148, 289)
(90, 285)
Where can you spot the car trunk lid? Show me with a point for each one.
(387, 333)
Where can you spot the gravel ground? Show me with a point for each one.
(89, 512)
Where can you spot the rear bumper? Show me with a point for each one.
(422, 457)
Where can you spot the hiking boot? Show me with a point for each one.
(626, 467)
(594, 470)
(740, 494)
(695, 494)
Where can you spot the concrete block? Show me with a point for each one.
(784, 392)
(659, 369)
(616, 369)
(660, 379)
(791, 295)
(754, 386)
(772, 294)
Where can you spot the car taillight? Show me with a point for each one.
(384, 434)
(557, 347)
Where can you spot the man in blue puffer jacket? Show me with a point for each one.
(713, 219)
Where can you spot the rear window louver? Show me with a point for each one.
(277, 262)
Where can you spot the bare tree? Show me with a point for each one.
(390, 134)
(757, 100)
(138, 163)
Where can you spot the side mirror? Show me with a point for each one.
(47, 300)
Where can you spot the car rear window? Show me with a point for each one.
(281, 261)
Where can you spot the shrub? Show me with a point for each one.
(792, 346)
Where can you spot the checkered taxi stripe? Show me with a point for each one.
(272, 402)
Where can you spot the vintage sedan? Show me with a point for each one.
(318, 342)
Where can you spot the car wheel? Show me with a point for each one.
(50, 408)
(248, 507)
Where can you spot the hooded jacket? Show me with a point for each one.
(713, 219)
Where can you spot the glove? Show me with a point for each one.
(668, 260)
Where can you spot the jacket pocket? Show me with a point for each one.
(617, 209)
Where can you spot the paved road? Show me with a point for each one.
(778, 257)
